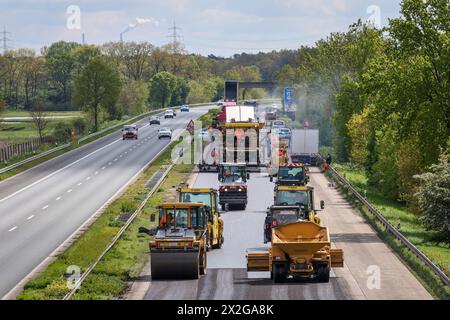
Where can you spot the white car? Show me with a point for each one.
(169, 114)
(165, 133)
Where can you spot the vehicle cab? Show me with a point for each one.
(169, 114)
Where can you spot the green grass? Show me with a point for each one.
(410, 227)
(125, 260)
(21, 113)
(25, 130)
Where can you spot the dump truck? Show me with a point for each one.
(299, 250)
(304, 146)
(209, 197)
(233, 185)
(291, 174)
(179, 247)
(231, 95)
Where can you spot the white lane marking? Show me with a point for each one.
(30, 217)
(103, 168)
(96, 173)
(56, 172)
(121, 156)
(109, 163)
(88, 178)
(59, 198)
(115, 159)
(12, 229)
(80, 184)
(69, 191)
(45, 207)
(126, 152)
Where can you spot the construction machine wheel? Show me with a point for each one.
(203, 262)
(323, 274)
(279, 273)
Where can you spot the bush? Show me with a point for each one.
(62, 131)
(434, 198)
(80, 126)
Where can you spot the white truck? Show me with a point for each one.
(304, 146)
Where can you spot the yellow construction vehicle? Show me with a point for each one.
(178, 249)
(302, 196)
(301, 250)
(208, 196)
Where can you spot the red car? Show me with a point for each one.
(130, 132)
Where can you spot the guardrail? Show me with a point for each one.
(44, 154)
(41, 155)
(390, 228)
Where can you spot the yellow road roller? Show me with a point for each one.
(178, 249)
(300, 250)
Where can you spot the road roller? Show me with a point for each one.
(178, 249)
(299, 250)
(209, 197)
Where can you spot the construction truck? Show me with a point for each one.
(294, 196)
(179, 247)
(291, 174)
(233, 185)
(242, 138)
(209, 197)
(299, 250)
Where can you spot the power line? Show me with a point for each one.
(175, 36)
(5, 39)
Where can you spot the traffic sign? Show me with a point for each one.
(190, 127)
(288, 96)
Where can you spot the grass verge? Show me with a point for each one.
(410, 227)
(125, 260)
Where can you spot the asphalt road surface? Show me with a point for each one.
(365, 254)
(42, 207)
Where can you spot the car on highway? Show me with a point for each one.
(278, 124)
(155, 120)
(130, 132)
(165, 133)
(169, 114)
(184, 108)
(253, 103)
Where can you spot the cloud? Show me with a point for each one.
(324, 7)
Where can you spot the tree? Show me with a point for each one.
(60, 63)
(180, 93)
(39, 116)
(97, 88)
(162, 86)
(434, 198)
(134, 97)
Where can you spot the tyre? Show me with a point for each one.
(323, 274)
(203, 262)
(278, 271)
(224, 207)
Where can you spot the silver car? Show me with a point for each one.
(165, 133)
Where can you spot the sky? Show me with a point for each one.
(219, 27)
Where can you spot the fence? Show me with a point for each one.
(24, 148)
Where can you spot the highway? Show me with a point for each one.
(366, 256)
(227, 276)
(42, 207)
